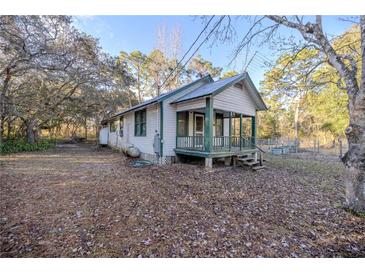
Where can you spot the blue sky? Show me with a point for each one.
(128, 33)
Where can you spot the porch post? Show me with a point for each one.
(230, 130)
(208, 124)
(253, 130)
(241, 130)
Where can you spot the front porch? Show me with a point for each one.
(214, 133)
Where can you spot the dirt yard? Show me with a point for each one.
(78, 201)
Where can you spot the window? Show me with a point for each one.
(121, 126)
(113, 126)
(219, 124)
(140, 123)
(182, 124)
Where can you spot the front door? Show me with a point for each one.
(198, 129)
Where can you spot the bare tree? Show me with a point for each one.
(351, 71)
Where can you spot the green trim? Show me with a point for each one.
(194, 114)
(159, 100)
(185, 87)
(242, 77)
(161, 129)
(241, 131)
(253, 130)
(230, 129)
(219, 116)
(140, 133)
(216, 154)
(177, 127)
(186, 118)
(264, 107)
(208, 124)
(239, 79)
(245, 77)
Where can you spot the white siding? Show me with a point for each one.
(193, 104)
(236, 100)
(169, 121)
(143, 143)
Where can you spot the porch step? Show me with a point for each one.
(253, 163)
(258, 167)
(250, 161)
(245, 159)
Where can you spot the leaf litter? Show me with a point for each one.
(89, 202)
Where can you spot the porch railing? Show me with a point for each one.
(219, 143)
(190, 142)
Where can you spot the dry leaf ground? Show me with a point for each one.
(79, 201)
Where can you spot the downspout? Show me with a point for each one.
(161, 129)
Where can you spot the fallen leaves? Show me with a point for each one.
(77, 202)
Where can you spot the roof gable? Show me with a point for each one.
(216, 87)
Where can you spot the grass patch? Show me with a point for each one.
(360, 214)
(20, 145)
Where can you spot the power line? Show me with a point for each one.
(206, 39)
(249, 62)
(263, 56)
(186, 53)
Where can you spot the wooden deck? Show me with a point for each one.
(215, 154)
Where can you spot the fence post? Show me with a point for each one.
(314, 146)
(340, 144)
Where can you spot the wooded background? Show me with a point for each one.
(57, 82)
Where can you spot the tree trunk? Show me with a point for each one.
(8, 135)
(296, 120)
(354, 159)
(31, 131)
(85, 129)
(140, 99)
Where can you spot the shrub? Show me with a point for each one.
(19, 145)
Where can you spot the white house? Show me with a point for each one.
(205, 118)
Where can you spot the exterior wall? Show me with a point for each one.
(236, 100)
(143, 143)
(169, 120)
(233, 99)
(193, 104)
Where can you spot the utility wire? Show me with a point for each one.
(250, 61)
(206, 39)
(186, 53)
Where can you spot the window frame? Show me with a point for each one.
(185, 118)
(221, 117)
(121, 126)
(113, 126)
(140, 123)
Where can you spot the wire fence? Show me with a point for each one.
(284, 145)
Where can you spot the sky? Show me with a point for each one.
(129, 33)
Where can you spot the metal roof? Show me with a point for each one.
(160, 98)
(212, 87)
(220, 85)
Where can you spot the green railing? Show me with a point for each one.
(190, 142)
(219, 143)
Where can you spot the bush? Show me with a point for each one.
(19, 145)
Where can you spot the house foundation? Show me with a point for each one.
(209, 163)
